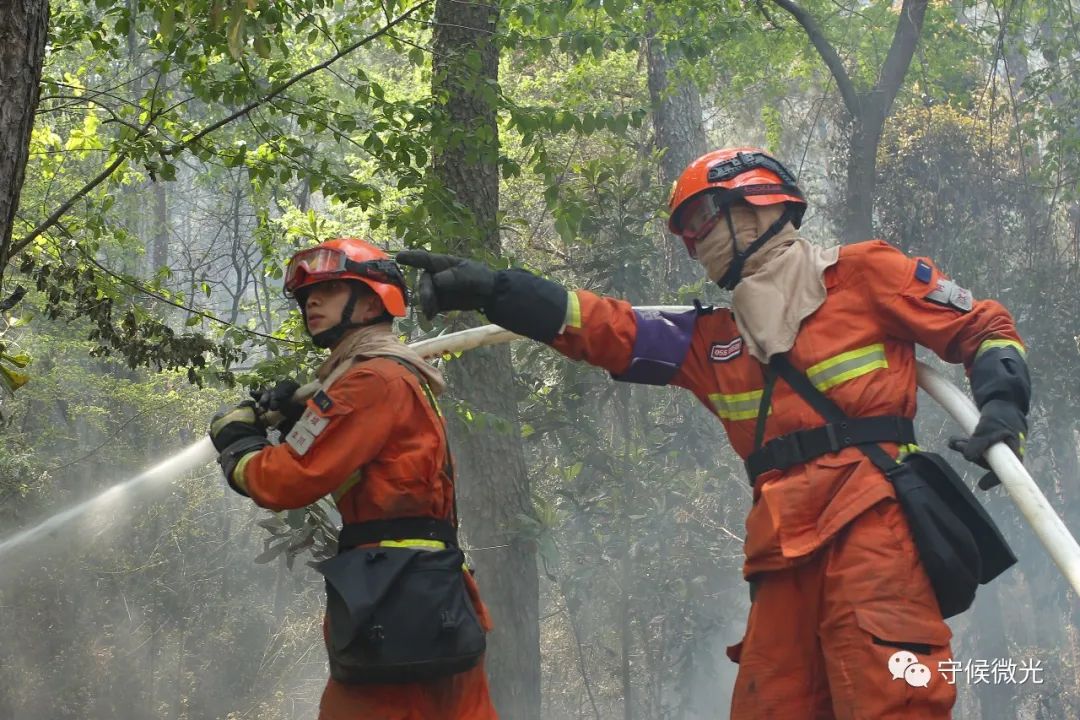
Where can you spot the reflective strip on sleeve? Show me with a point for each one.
(1001, 343)
(238, 472)
(739, 406)
(846, 366)
(573, 311)
(347, 486)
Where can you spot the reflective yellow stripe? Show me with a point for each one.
(1000, 343)
(907, 450)
(238, 472)
(428, 544)
(826, 374)
(408, 543)
(347, 485)
(573, 310)
(739, 406)
(846, 366)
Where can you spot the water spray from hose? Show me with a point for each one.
(194, 456)
(202, 452)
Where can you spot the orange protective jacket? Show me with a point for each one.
(858, 347)
(381, 438)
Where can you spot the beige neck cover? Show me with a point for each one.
(372, 341)
(782, 283)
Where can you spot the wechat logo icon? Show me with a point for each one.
(904, 665)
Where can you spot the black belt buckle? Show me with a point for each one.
(830, 435)
(786, 451)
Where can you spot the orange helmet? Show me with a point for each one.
(349, 259)
(715, 179)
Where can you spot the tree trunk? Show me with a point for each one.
(493, 487)
(678, 133)
(237, 258)
(868, 107)
(862, 171)
(23, 29)
(990, 624)
(159, 256)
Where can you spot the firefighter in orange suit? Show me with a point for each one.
(371, 438)
(841, 604)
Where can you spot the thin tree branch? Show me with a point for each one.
(177, 148)
(101, 177)
(908, 28)
(139, 287)
(295, 79)
(109, 439)
(827, 52)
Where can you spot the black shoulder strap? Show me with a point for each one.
(826, 408)
(763, 406)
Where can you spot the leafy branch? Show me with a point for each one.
(186, 144)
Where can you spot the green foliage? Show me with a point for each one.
(173, 262)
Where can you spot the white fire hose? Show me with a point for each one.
(1048, 526)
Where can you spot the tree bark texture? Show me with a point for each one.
(493, 485)
(678, 132)
(23, 29)
(866, 131)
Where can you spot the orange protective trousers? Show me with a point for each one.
(854, 633)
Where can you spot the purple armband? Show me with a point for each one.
(663, 339)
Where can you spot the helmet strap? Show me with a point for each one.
(733, 275)
(332, 336)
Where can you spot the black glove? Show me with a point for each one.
(232, 424)
(999, 421)
(450, 282)
(236, 432)
(515, 299)
(280, 399)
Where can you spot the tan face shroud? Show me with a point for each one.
(782, 282)
(714, 251)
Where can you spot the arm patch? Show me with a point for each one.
(662, 341)
(949, 294)
(307, 428)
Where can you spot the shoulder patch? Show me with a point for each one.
(723, 352)
(323, 401)
(949, 294)
(923, 271)
(307, 428)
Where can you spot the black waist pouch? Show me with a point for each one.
(959, 544)
(399, 615)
